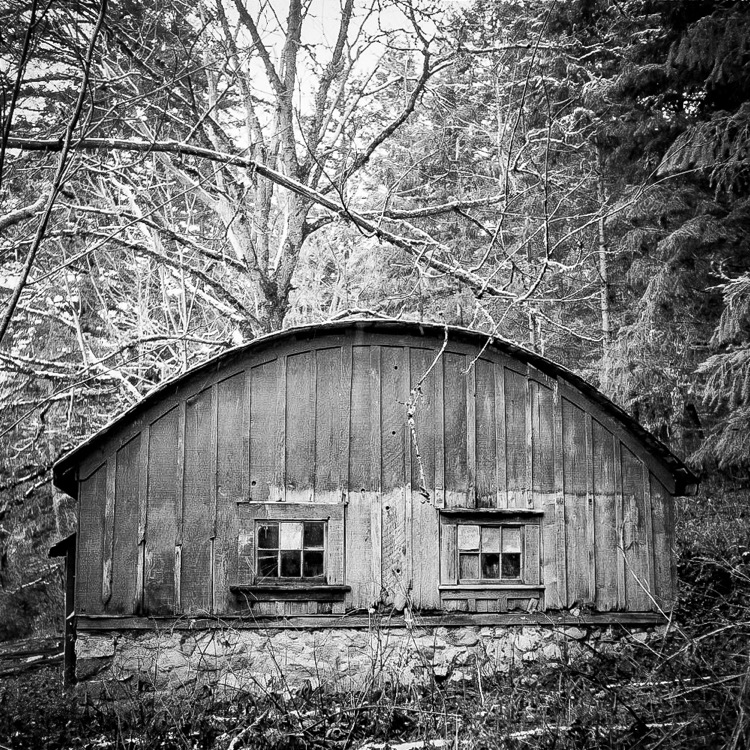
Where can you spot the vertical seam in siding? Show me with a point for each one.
(142, 518)
(559, 520)
(649, 534)
(439, 434)
(108, 537)
(471, 433)
(277, 492)
(590, 505)
(621, 602)
(529, 495)
(501, 466)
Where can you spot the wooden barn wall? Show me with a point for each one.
(402, 443)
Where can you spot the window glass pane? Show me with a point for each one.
(268, 535)
(313, 564)
(314, 533)
(290, 564)
(291, 535)
(468, 566)
(268, 564)
(490, 539)
(511, 565)
(512, 539)
(491, 565)
(468, 537)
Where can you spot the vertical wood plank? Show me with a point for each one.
(515, 437)
(575, 485)
(619, 517)
(440, 433)
(649, 526)
(590, 508)
(277, 490)
(91, 501)
(531, 554)
(456, 440)
(543, 443)
(144, 472)
(425, 531)
(394, 395)
(486, 459)
(376, 511)
(408, 571)
(329, 448)
(345, 419)
(109, 529)
(605, 519)
(264, 426)
(500, 438)
(125, 484)
(362, 483)
(300, 426)
(634, 533)
(180, 505)
(471, 433)
(230, 478)
(196, 548)
(665, 590)
(531, 395)
(162, 510)
(554, 520)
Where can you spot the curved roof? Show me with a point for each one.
(685, 480)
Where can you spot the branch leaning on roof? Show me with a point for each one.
(423, 250)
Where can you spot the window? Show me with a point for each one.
(290, 549)
(489, 560)
(489, 553)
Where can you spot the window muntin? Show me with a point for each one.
(290, 550)
(489, 553)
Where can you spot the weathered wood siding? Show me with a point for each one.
(403, 443)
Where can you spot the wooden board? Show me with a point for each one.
(605, 517)
(394, 431)
(230, 458)
(331, 408)
(264, 385)
(515, 438)
(199, 491)
(364, 478)
(161, 515)
(543, 441)
(634, 539)
(486, 466)
(576, 516)
(665, 589)
(124, 586)
(455, 441)
(300, 427)
(424, 517)
(91, 503)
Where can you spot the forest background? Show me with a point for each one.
(177, 178)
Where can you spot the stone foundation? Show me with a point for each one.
(335, 659)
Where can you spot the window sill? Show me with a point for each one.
(491, 587)
(298, 592)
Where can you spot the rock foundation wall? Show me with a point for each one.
(335, 659)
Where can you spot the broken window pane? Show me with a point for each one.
(313, 564)
(268, 535)
(491, 565)
(314, 534)
(511, 565)
(290, 564)
(268, 564)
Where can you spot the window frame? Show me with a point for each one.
(279, 549)
(529, 523)
(246, 578)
